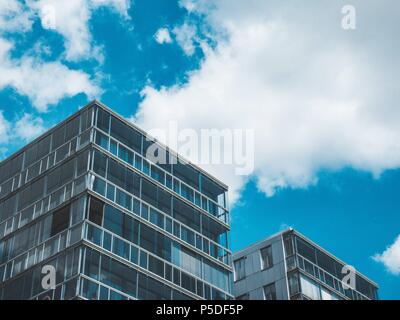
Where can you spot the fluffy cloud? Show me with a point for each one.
(70, 19)
(4, 130)
(186, 37)
(45, 83)
(391, 257)
(28, 127)
(318, 97)
(14, 17)
(162, 36)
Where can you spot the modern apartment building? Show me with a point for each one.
(85, 200)
(288, 266)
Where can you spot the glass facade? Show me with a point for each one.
(85, 199)
(316, 275)
(288, 266)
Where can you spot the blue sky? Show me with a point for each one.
(322, 102)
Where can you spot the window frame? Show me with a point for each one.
(265, 265)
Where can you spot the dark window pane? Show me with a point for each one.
(126, 135)
(113, 220)
(149, 192)
(306, 250)
(99, 163)
(266, 257)
(72, 129)
(96, 211)
(58, 137)
(82, 162)
(186, 214)
(186, 173)
(103, 120)
(60, 220)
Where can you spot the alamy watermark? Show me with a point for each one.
(233, 147)
(349, 20)
(49, 278)
(349, 279)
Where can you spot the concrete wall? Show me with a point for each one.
(256, 278)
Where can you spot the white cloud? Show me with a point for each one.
(45, 83)
(162, 36)
(71, 18)
(318, 97)
(14, 17)
(186, 37)
(391, 257)
(28, 127)
(4, 130)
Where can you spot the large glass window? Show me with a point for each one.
(240, 270)
(294, 286)
(186, 214)
(288, 243)
(306, 250)
(270, 292)
(103, 120)
(72, 128)
(212, 190)
(123, 177)
(58, 137)
(266, 257)
(113, 220)
(156, 196)
(96, 211)
(31, 193)
(37, 151)
(60, 220)
(11, 168)
(125, 134)
(309, 288)
(187, 173)
(118, 275)
(60, 176)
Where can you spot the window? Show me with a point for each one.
(270, 292)
(102, 140)
(82, 162)
(309, 288)
(103, 120)
(305, 250)
(58, 137)
(72, 128)
(37, 151)
(240, 272)
(294, 286)
(96, 211)
(186, 214)
(126, 134)
(243, 297)
(188, 282)
(288, 242)
(60, 221)
(123, 177)
(149, 192)
(124, 200)
(210, 188)
(125, 154)
(186, 173)
(156, 266)
(113, 220)
(60, 176)
(118, 276)
(266, 257)
(11, 167)
(85, 120)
